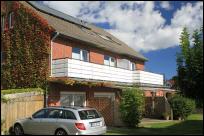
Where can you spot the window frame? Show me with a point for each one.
(109, 61)
(81, 52)
(10, 19)
(2, 23)
(132, 66)
(45, 116)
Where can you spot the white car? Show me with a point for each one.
(62, 121)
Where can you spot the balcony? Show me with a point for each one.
(84, 70)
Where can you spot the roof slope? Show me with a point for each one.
(84, 31)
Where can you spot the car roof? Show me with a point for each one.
(70, 107)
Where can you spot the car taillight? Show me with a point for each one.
(80, 126)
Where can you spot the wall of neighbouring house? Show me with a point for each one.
(20, 106)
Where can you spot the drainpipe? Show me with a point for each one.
(45, 95)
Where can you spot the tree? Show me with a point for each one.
(132, 106)
(190, 64)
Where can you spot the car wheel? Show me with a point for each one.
(18, 130)
(60, 132)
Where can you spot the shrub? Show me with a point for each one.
(182, 107)
(132, 106)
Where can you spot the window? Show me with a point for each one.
(132, 66)
(40, 114)
(54, 113)
(89, 114)
(10, 19)
(84, 55)
(2, 22)
(80, 54)
(106, 60)
(68, 115)
(123, 63)
(76, 53)
(72, 99)
(110, 61)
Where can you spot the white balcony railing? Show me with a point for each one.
(85, 70)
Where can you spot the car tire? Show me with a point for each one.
(18, 130)
(60, 132)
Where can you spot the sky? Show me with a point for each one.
(151, 28)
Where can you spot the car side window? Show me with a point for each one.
(54, 113)
(68, 115)
(40, 114)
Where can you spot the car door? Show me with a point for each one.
(49, 124)
(33, 125)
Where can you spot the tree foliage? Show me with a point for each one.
(190, 64)
(132, 106)
(26, 48)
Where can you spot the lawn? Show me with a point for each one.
(193, 125)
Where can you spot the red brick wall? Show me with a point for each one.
(140, 65)
(60, 49)
(96, 57)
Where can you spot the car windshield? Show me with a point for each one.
(89, 114)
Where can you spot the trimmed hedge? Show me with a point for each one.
(12, 91)
(132, 106)
(182, 106)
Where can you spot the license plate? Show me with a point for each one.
(95, 124)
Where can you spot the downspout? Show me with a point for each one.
(45, 95)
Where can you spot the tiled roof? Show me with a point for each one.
(72, 27)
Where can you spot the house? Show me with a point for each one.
(90, 67)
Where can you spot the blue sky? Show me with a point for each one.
(152, 28)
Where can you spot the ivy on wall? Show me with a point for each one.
(26, 48)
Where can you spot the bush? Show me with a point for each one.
(132, 106)
(182, 107)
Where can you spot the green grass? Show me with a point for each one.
(193, 125)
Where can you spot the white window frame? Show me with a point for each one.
(10, 20)
(74, 93)
(81, 54)
(109, 61)
(131, 65)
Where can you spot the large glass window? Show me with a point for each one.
(76, 53)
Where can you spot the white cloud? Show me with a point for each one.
(165, 5)
(136, 23)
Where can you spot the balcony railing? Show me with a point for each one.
(85, 70)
